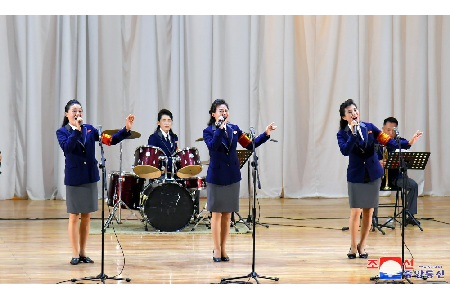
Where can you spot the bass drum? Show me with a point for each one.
(168, 206)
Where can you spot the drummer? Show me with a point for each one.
(167, 141)
(164, 138)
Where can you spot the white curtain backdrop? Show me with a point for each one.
(291, 70)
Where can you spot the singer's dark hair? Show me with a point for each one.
(161, 113)
(213, 109)
(344, 105)
(66, 109)
(391, 120)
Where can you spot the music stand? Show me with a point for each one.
(403, 161)
(412, 160)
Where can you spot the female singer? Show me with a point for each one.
(356, 140)
(224, 174)
(77, 140)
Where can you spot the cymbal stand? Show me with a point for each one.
(119, 203)
(201, 218)
(233, 222)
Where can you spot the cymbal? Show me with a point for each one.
(199, 139)
(204, 162)
(145, 171)
(134, 134)
(189, 171)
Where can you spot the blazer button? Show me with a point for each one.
(84, 162)
(228, 164)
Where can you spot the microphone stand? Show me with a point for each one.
(102, 276)
(253, 273)
(402, 169)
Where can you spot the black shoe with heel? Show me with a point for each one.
(351, 255)
(75, 261)
(362, 255)
(216, 259)
(86, 260)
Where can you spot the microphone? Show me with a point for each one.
(354, 129)
(396, 131)
(80, 123)
(100, 131)
(252, 131)
(220, 122)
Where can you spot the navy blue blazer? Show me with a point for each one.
(170, 148)
(361, 153)
(79, 150)
(404, 144)
(224, 163)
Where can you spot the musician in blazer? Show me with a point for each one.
(357, 141)
(394, 176)
(78, 140)
(164, 138)
(223, 175)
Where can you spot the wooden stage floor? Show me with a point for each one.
(304, 244)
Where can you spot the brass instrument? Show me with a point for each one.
(386, 176)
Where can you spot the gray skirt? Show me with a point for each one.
(82, 198)
(364, 195)
(223, 198)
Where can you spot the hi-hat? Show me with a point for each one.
(134, 134)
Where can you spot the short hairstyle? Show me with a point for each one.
(390, 120)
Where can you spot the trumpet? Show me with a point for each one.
(386, 175)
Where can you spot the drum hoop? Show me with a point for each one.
(148, 146)
(186, 148)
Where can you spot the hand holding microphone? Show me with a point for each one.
(221, 122)
(80, 124)
(354, 125)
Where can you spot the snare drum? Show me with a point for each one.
(168, 207)
(149, 161)
(132, 186)
(193, 183)
(188, 162)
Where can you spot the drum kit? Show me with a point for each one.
(165, 199)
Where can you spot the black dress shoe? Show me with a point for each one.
(86, 259)
(75, 261)
(216, 259)
(351, 255)
(362, 255)
(225, 258)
